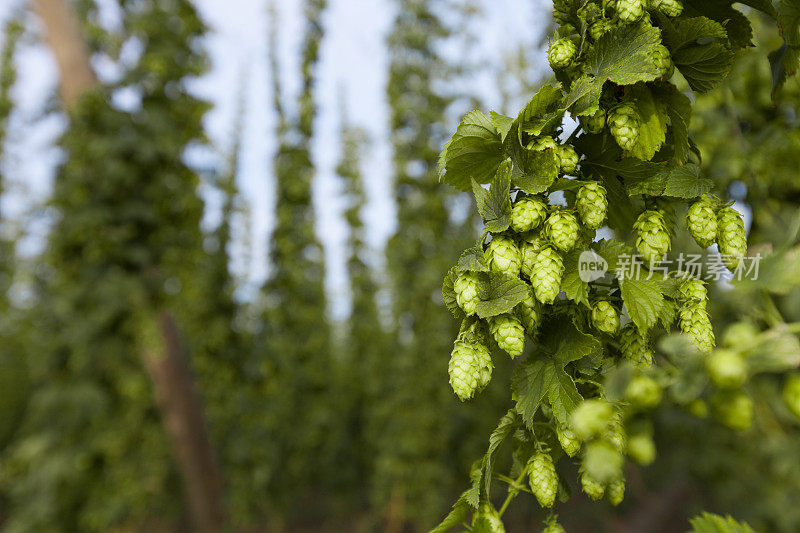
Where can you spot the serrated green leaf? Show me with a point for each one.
(473, 153)
(784, 63)
(571, 283)
(494, 205)
(502, 123)
(541, 112)
(685, 182)
(473, 259)
(643, 299)
(737, 27)
(679, 111)
(534, 171)
(789, 21)
(678, 33)
(531, 382)
(704, 66)
(566, 343)
(507, 424)
(563, 396)
(449, 294)
(455, 517)
(500, 294)
(711, 523)
(652, 125)
(611, 250)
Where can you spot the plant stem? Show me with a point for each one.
(511, 493)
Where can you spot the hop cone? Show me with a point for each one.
(503, 255)
(663, 61)
(468, 367)
(671, 8)
(615, 492)
(545, 142)
(616, 433)
(592, 204)
(623, 121)
(630, 11)
(568, 439)
(595, 123)
(734, 410)
(591, 418)
(634, 347)
(466, 289)
(731, 236)
(592, 488)
(791, 393)
(543, 479)
(694, 321)
(528, 250)
(553, 527)
(702, 222)
(547, 272)
(529, 314)
(528, 212)
(643, 393)
(568, 158)
(740, 335)
(561, 228)
(487, 520)
(641, 448)
(652, 235)
(693, 290)
(605, 318)
(561, 53)
(726, 369)
(508, 332)
(599, 28)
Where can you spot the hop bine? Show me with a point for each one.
(702, 222)
(623, 121)
(543, 479)
(652, 235)
(503, 255)
(634, 347)
(508, 332)
(561, 229)
(731, 237)
(548, 268)
(561, 53)
(592, 204)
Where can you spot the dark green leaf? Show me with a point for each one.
(494, 205)
(449, 294)
(643, 299)
(500, 294)
(473, 153)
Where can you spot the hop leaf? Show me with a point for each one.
(605, 317)
(568, 440)
(652, 235)
(548, 268)
(503, 255)
(643, 393)
(561, 53)
(561, 229)
(726, 369)
(470, 368)
(634, 347)
(641, 448)
(568, 158)
(623, 121)
(592, 204)
(630, 11)
(466, 288)
(791, 393)
(695, 322)
(702, 222)
(528, 212)
(508, 332)
(731, 236)
(733, 409)
(543, 479)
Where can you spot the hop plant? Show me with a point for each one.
(544, 142)
(543, 478)
(561, 53)
(469, 365)
(528, 250)
(568, 440)
(623, 121)
(634, 347)
(508, 332)
(733, 409)
(702, 221)
(529, 314)
(561, 229)
(695, 322)
(641, 448)
(568, 158)
(605, 317)
(731, 237)
(548, 268)
(726, 369)
(791, 393)
(594, 489)
(652, 235)
(503, 255)
(630, 11)
(594, 123)
(693, 290)
(599, 28)
(671, 8)
(663, 61)
(643, 392)
(615, 492)
(466, 288)
(592, 204)
(487, 520)
(528, 212)
(591, 418)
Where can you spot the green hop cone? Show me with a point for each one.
(652, 236)
(602, 461)
(693, 290)
(561, 53)
(591, 418)
(568, 440)
(641, 448)
(630, 11)
(528, 250)
(503, 255)
(487, 520)
(623, 121)
(615, 492)
(733, 409)
(561, 229)
(592, 204)
(599, 28)
(594, 123)
(508, 332)
(663, 61)
(740, 335)
(616, 433)
(470, 368)
(544, 142)
(643, 393)
(543, 479)
(791, 394)
(553, 526)
(634, 347)
(702, 222)
(605, 317)
(726, 369)
(528, 212)
(548, 268)
(693, 320)
(529, 314)
(671, 8)
(568, 158)
(731, 237)
(466, 289)
(698, 408)
(594, 489)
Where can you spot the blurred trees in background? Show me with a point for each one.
(315, 425)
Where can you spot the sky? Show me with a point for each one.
(353, 66)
